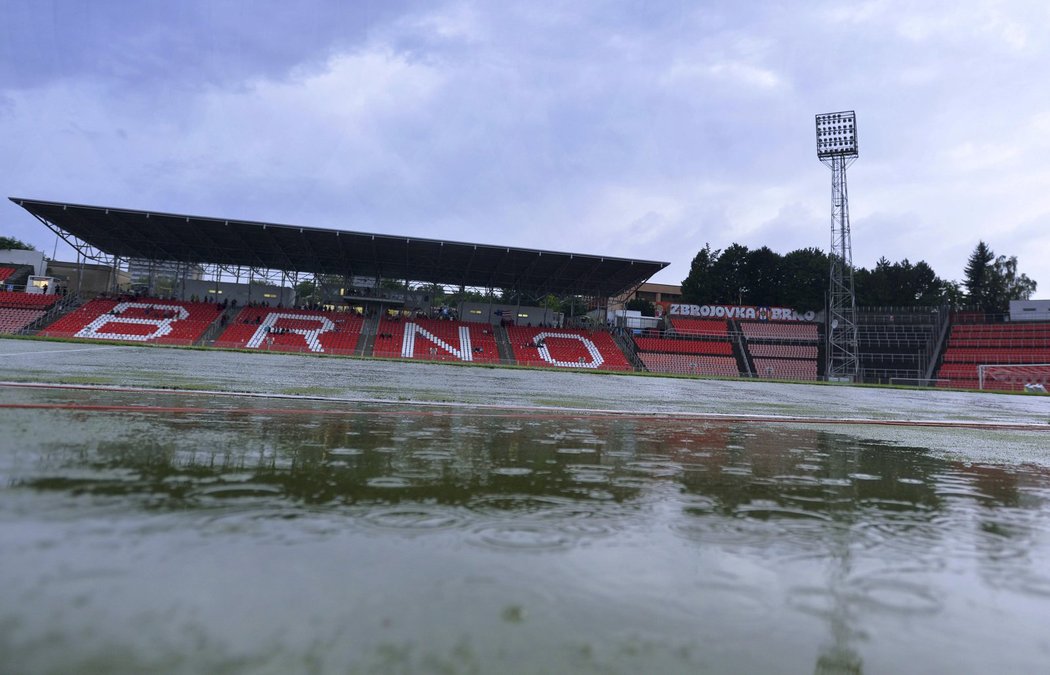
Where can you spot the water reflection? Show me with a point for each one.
(857, 530)
(730, 479)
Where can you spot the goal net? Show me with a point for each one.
(1012, 376)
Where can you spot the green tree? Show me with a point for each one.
(763, 270)
(738, 275)
(899, 284)
(574, 305)
(992, 282)
(871, 286)
(468, 295)
(805, 279)
(16, 244)
(731, 276)
(926, 288)
(434, 293)
(699, 286)
(550, 301)
(954, 294)
(978, 277)
(305, 291)
(1008, 284)
(646, 307)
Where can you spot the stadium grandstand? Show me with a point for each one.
(900, 345)
(689, 346)
(781, 350)
(129, 319)
(18, 311)
(983, 354)
(290, 330)
(208, 261)
(233, 284)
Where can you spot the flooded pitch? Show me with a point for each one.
(198, 532)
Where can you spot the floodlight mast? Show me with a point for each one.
(837, 148)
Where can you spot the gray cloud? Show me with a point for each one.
(637, 130)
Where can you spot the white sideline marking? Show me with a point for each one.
(610, 413)
(67, 351)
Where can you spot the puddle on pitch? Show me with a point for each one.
(256, 535)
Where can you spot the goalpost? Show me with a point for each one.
(918, 381)
(1013, 373)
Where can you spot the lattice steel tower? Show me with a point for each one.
(837, 148)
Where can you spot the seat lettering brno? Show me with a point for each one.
(464, 352)
(596, 358)
(112, 322)
(323, 325)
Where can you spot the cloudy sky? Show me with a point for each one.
(632, 129)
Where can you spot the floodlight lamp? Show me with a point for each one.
(836, 134)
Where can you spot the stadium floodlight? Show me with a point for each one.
(837, 134)
(837, 149)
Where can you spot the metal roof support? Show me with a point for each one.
(348, 270)
(468, 268)
(71, 240)
(310, 252)
(527, 271)
(80, 273)
(246, 246)
(113, 281)
(559, 272)
(375, 257)
(229, 244)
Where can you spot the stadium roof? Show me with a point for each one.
(127, 233)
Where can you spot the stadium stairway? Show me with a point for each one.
(743, 356)
(629, 349)
(506, 352)
(366, 343)
(16, 275)
(64, 305)
(691, 347)
(217, 326)
(778, 350)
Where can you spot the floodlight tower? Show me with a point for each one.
(837, 148)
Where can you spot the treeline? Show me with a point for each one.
(15, 244)
(799, 280)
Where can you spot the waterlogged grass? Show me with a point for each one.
(451, 363)
(86, 379)
(310, 391)
(564, 403)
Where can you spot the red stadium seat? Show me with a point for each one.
(774, 330)
(292, 330)
(786, 369)
(436, 340)
(16, 300)
(13, 320)
(694, 327)
(690, 364)
(1012, 344)
(566, 348)
(679, 346)
(172, 322)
